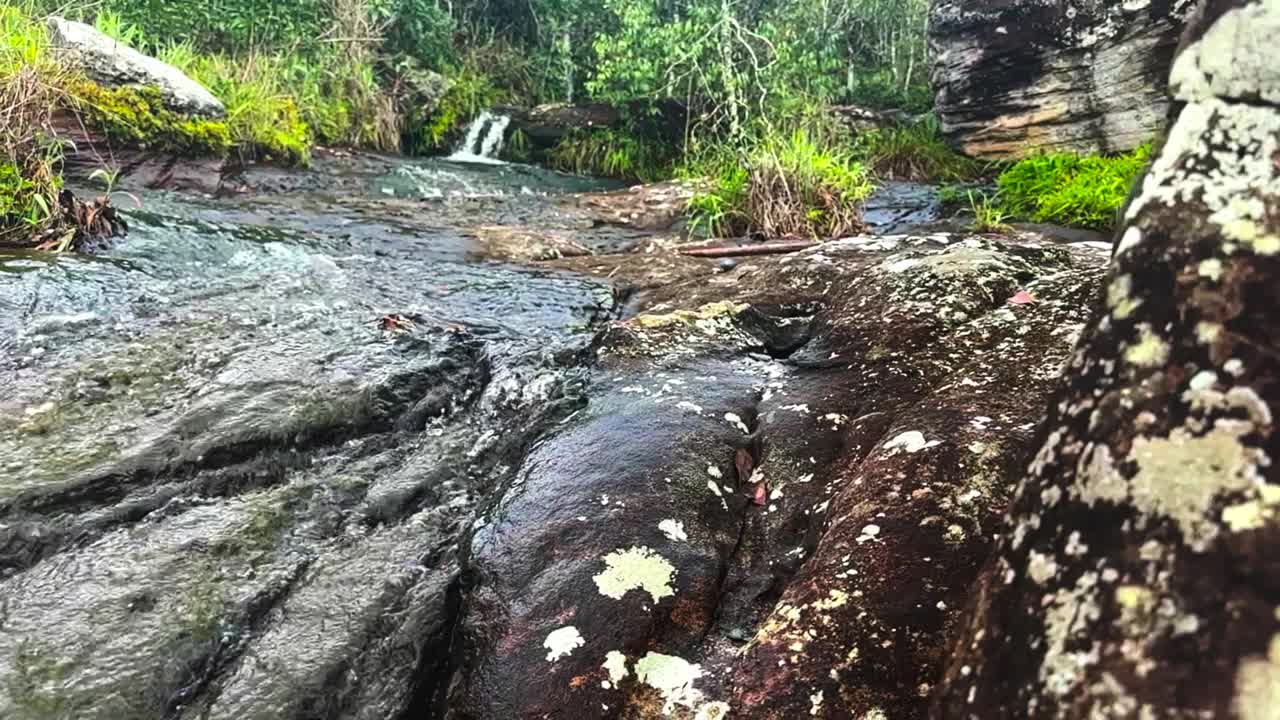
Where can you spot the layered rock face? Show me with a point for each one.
(112, 63)
(1139, 578)
(1017, 77)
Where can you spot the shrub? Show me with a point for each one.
(799, 184)
(1072, 190)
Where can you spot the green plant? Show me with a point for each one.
(803, 184)
(613, 153)
(987, 215)
(1072, 190)
(721, 210)
(916, 152)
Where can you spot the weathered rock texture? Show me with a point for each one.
(1017, 77)
(112, 63)
(1139, 579)
(781, 486)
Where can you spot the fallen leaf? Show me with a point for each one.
(761, 495)
(1022, 298)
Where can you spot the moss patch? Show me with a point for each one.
(137, 116)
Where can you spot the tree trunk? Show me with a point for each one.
(1139, 578)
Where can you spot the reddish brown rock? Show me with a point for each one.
(1137, 579)
(627, 572)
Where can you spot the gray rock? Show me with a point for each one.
(115, 64)
(1016, 78)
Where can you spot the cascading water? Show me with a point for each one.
(484, 139)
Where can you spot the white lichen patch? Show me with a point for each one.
(1071, 612)
(673, 677)
(615, 663)
(1041, 568)
(674, 530)
(1233, 58)
(1257, 690)
(815, 703)
(735, 420)
(911, 441)
(1120, 297)
(562, 642)
(636, 568)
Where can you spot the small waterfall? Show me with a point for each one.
(484, 139)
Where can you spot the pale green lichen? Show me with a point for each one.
(1257, 691)
(1150, 350)
(707, 313)
(1181, 476)
(1120, 297)
(673, 677)
(636, 568)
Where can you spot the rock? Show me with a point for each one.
(1138, 578)
(865, 387)
(546, 124)
(860, 119)
(107, 61)
(1016, 78)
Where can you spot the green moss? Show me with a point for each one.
(36, 683)
(1072, 190)
(137, 116)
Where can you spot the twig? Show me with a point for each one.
(774, 248)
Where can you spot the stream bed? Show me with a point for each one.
(379, 440)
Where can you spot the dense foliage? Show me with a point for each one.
(1073, 190)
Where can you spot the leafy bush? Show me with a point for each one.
(800, 184)
(1072, 190)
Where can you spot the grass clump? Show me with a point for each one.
(916, 152)
(803, 184)
(29, 154)
(613, 153)
(1072, 190)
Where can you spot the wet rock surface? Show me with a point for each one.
(392, 439)
(1016, 78)
(1138, 580)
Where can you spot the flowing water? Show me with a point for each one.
(255, 427)
(483, 140)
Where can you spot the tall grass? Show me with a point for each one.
(29, 89)
(614, 153)
(803, 183)
(916, 152)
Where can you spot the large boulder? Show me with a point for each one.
(1018, 77)
(1138, 578)
(112, 63)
